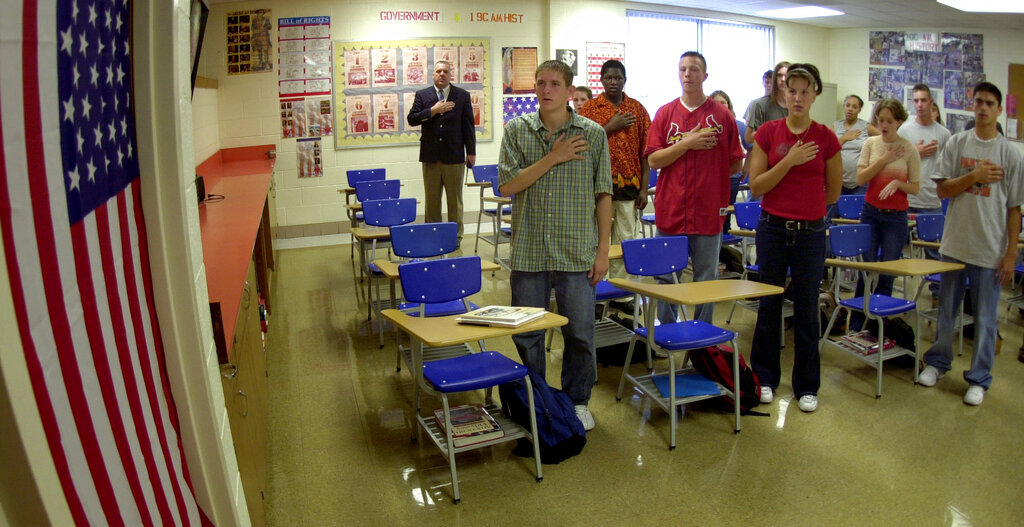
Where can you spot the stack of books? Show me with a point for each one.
(865, 343)
(471, 424)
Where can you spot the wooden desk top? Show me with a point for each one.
(390, 269)
(478, 184)
(228, 227)
(371, 233)
(497, 199)
(922, 243)
(845, 221)
(445, 331)
(746, 233)
(615, 251)
(903, 267)
(693, 293)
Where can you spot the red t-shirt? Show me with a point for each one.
(800, 194)
(693, 189)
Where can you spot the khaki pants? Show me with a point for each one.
(624, 216)
(439, 176)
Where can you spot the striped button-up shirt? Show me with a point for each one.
(554, 227)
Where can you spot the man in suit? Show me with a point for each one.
(447, 141)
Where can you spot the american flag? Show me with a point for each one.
(77, 262)
(516, 106)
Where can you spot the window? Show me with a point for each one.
(737, 55)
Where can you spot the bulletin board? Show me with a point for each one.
(375, 83)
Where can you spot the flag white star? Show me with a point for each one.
(110, 76)
(83, 43)
(107, 16)
(74, 177)
(113, 47)
(92, 171)
(80, 139)
(86, 107)
(66, 41)
(75, 75)
(120, 156)
(74, 10)
(106, 163)
(117, 25)
(116, 103)
(129, 150)
(95, 74)
(102, 46)
(124, 126)
(103, 104)
(112, 130)
(69, 110)
(98, 132)
(120, 74)
(92, 14)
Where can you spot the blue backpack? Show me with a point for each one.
(560, 432)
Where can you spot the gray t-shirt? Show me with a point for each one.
(762, 110)
(975, 231)
(851, 150)
(912, 131)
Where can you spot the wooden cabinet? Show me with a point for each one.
(245, 396)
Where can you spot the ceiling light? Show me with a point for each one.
(986, 6)
(808, 11)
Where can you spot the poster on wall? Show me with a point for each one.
(516, 106)
(949, 63)
(471, 64)
(358, 73)
(319, 116)
(597, 54)
(310, 158)
(304, 56)
(249, 49)
(568, 56)
(518, 70)
(376, 83)
(288, 117)
(385, 67)
(449, 54)
(416, 71)
(358, 114)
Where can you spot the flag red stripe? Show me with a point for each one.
(144, 367)
(35, 369)
(90, 310)
(43, 223)
(158, 347)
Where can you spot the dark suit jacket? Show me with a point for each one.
(445, 137)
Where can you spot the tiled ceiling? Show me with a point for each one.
(875, 14)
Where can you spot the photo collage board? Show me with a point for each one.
(949, 63)
(376, 83)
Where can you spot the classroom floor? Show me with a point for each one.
(341, 418)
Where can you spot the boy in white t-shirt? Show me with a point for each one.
(981, 175)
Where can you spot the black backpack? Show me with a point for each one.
(715, 363)
(560, 432)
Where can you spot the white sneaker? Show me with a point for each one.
(808, 403)
(929, 376)
(766, 394)
(585, 417)
(975, 394)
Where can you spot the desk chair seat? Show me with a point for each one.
(880, 305)
(659, 256)
(688, 334)
(852, 242)
(472, 372)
